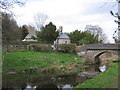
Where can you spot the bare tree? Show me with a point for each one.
(40, 19)
(97, 32)
(116, 34)
(7, 4)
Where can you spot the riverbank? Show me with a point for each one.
(45, 62)
(107, 79)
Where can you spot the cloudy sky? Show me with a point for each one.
(71, 14)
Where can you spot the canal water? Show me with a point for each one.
(56, 82)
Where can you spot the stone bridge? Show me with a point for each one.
(91, 52)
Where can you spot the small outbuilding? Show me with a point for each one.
(63, 39)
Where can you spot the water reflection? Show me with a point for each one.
(92, 68)
(56, 82)
(28, 87)
(65, 87)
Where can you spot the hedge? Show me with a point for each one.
(65, 48)
(41, 47)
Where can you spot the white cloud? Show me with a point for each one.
(109, 27)
(71, 14)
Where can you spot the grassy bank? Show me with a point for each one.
(107, 79)
(30, 61)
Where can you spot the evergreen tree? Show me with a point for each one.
(24, 32)
(48, 34)
(84, 37)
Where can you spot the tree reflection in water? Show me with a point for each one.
(52, 83)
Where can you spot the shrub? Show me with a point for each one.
(28, 43)
(65, 48)
(41, 47)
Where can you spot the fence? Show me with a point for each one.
(36, 47)
(8, 48)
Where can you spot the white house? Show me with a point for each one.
(32, 34)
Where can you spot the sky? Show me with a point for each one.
(71, 14)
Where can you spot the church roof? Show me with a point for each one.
(63, 36)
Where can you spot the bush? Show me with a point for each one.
(41, 47)
(28, 43)
(66, 48)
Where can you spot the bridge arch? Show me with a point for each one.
(96, 56)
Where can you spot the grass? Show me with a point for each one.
(107, 79)
(27, 60)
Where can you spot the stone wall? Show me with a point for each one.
(108, 56)
(9, 48)
(103, 55)
(63, 41)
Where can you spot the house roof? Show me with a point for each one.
(30, 35)
(63, 36)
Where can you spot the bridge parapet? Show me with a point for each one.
(98, 47)
(89, 52)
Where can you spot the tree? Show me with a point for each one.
(40, 19)
(75, 36)
(88, 38)
(116, 34)
(7, 4)
(84, 37)
(97, 32)
(24, 31)
(10, 29)
(48, 34)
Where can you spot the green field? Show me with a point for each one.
(30, 61)
(107, 79)
(40, 61)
